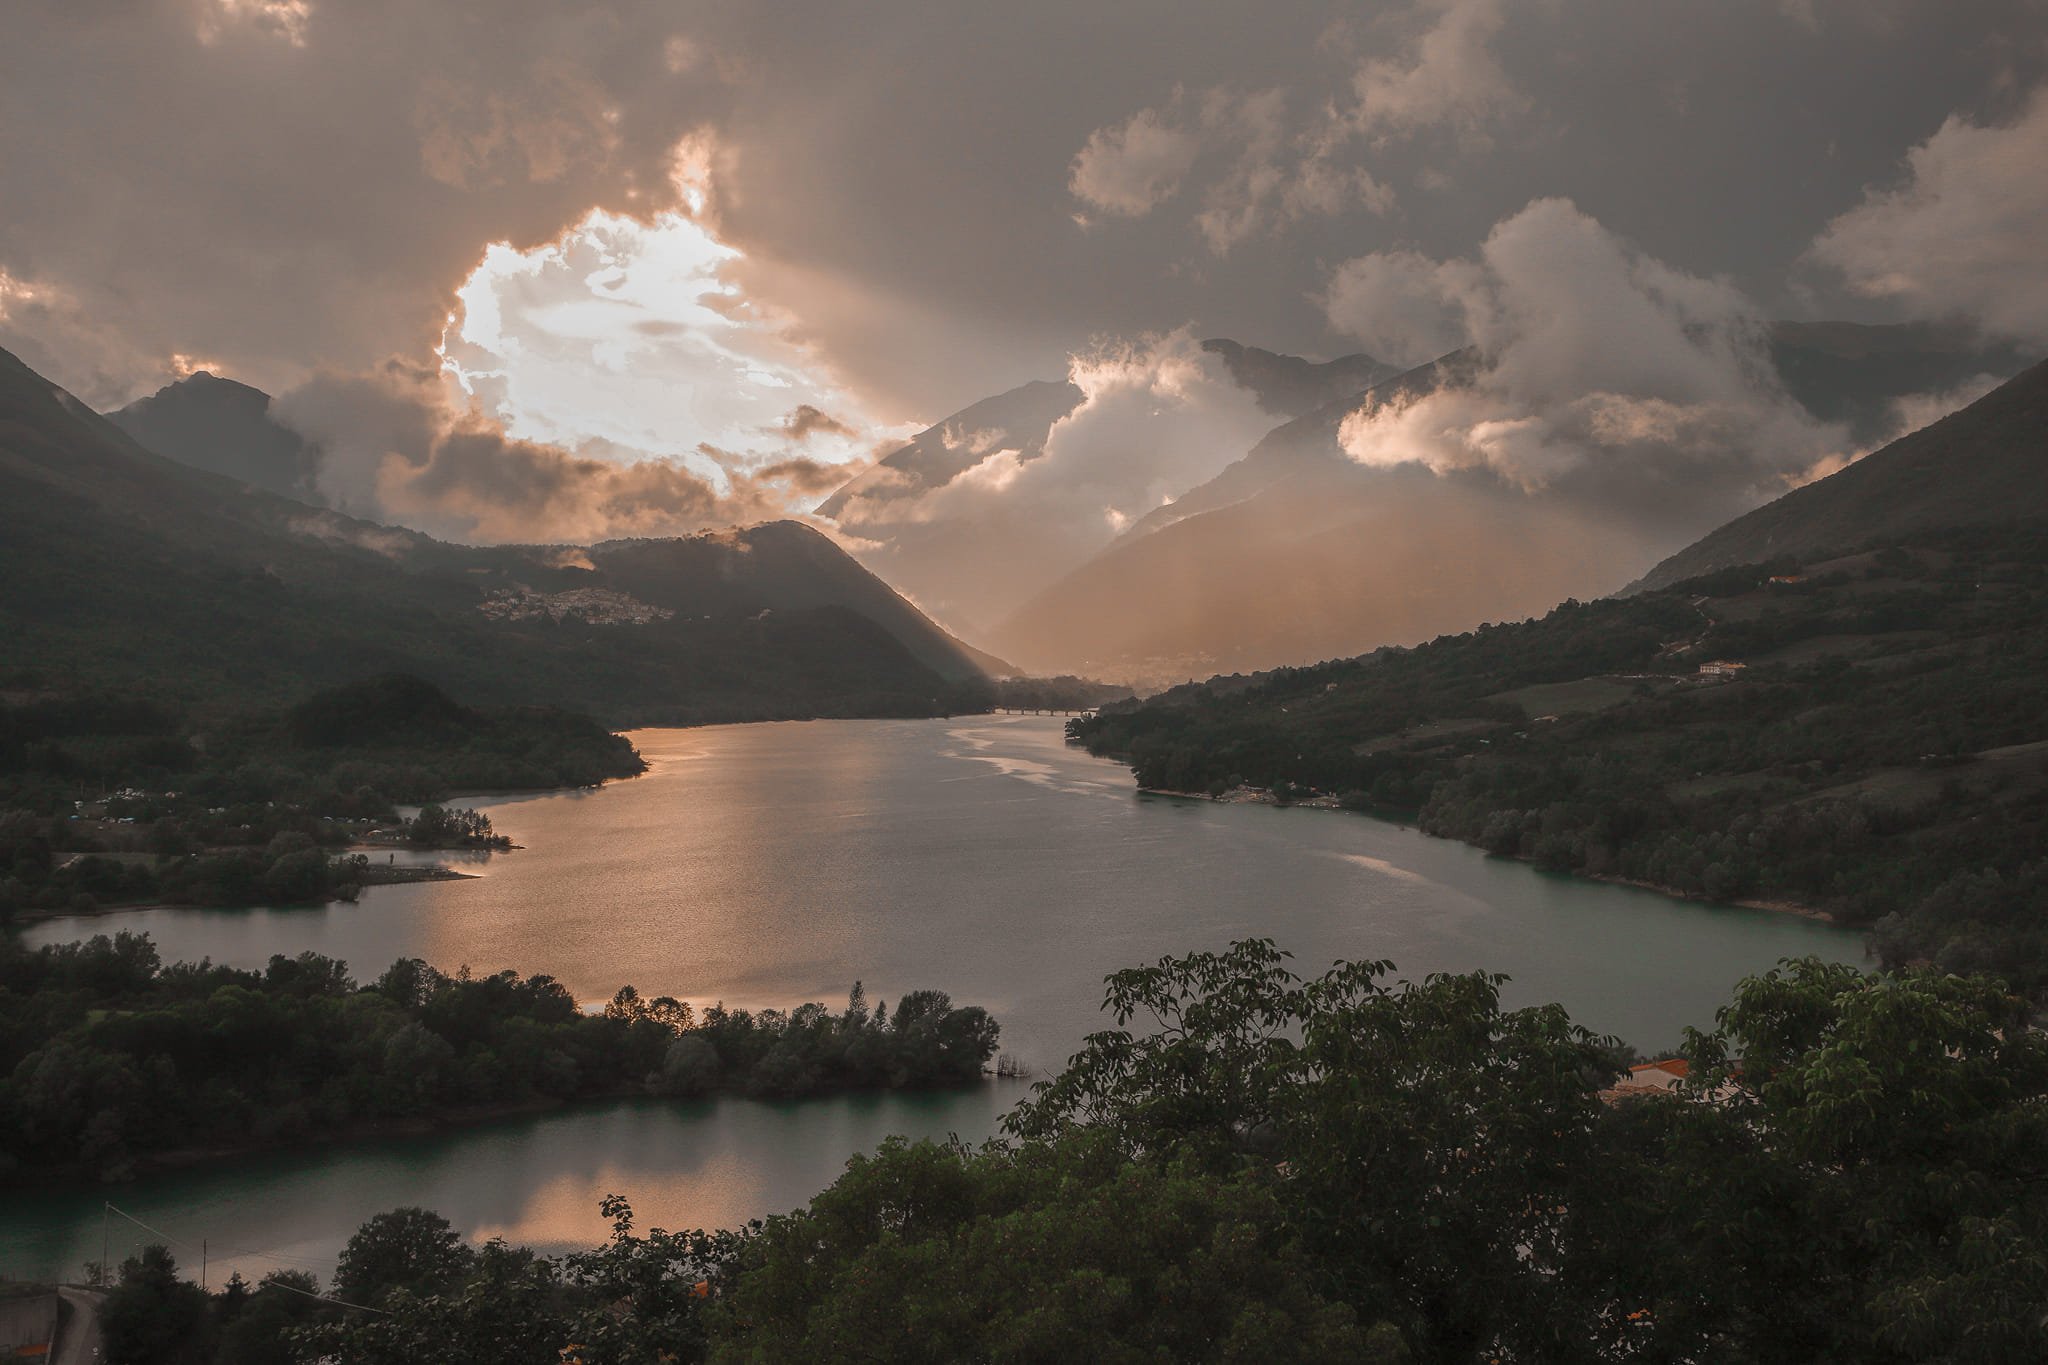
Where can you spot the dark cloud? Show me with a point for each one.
(394, 447)
(804, 421)
(915, 204)
(281, 185)
(807, 477)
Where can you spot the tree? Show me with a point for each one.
(1429, 1137)
(689, 1067)
(152, 1317)
(417, 1061)
(498, 1307)
(407, 1248)
(257, 1329)
(1913, 1108)
(1062, 1252)
(646, 1296)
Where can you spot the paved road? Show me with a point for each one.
(78, 1341)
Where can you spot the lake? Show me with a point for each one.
(768, 865)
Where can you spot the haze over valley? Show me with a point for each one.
(1156, 682)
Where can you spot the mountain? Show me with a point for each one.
(1856, 373)
(121, 566)
(1328, 562)
(1851, 373)
(1018, 420)
(972, 550)
(1986, 463)
(1288, 385)
(223, 427)
(1307, 443)
(1022, 418)
(1296, 553)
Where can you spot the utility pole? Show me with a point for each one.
(202, 1265)
(104, 1206)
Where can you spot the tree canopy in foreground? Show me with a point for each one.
(1255, 1167)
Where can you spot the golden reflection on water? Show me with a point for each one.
(563, 1211)
(768, 865)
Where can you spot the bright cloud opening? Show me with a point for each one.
(627, 340)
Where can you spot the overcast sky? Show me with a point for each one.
(716, 217)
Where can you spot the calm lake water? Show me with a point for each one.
(773, 864)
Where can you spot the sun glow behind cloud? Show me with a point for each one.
(626, 340)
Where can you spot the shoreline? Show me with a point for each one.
(391, 874)
(409, 877)
(369, 1131)
(1250, 796)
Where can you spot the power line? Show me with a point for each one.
(272, 1284)
(147, 1228)
(323, 1298)
(315, 1263)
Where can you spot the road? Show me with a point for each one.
(78, 1339)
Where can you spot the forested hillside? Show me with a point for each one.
(1864, 735)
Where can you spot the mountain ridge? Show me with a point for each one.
(223, 426)
(1233, 538)
(1984, 463)
(123, 563)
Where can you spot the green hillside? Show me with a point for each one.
(1880, 753)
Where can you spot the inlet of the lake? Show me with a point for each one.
(767, 865)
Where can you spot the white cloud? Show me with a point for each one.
(1598, 373)
(1132, 168)
(1449, 78)
(630, 340)
(1965, 234)
(286, 19)
(1157, 417)
(1402, 306)
(405, 445)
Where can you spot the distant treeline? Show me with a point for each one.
(1276, 1170)
(1063, 693)
(1861, 762)
(108, 799)
(109, 1058)
(391, 738)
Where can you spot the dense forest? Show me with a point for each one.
(110, 1059)
(1340, 1168)
(115, 798)
(1863, 735)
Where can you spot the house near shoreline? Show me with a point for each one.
(1671, 1076)
(1659, 1075)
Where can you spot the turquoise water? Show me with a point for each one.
(773, 864)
